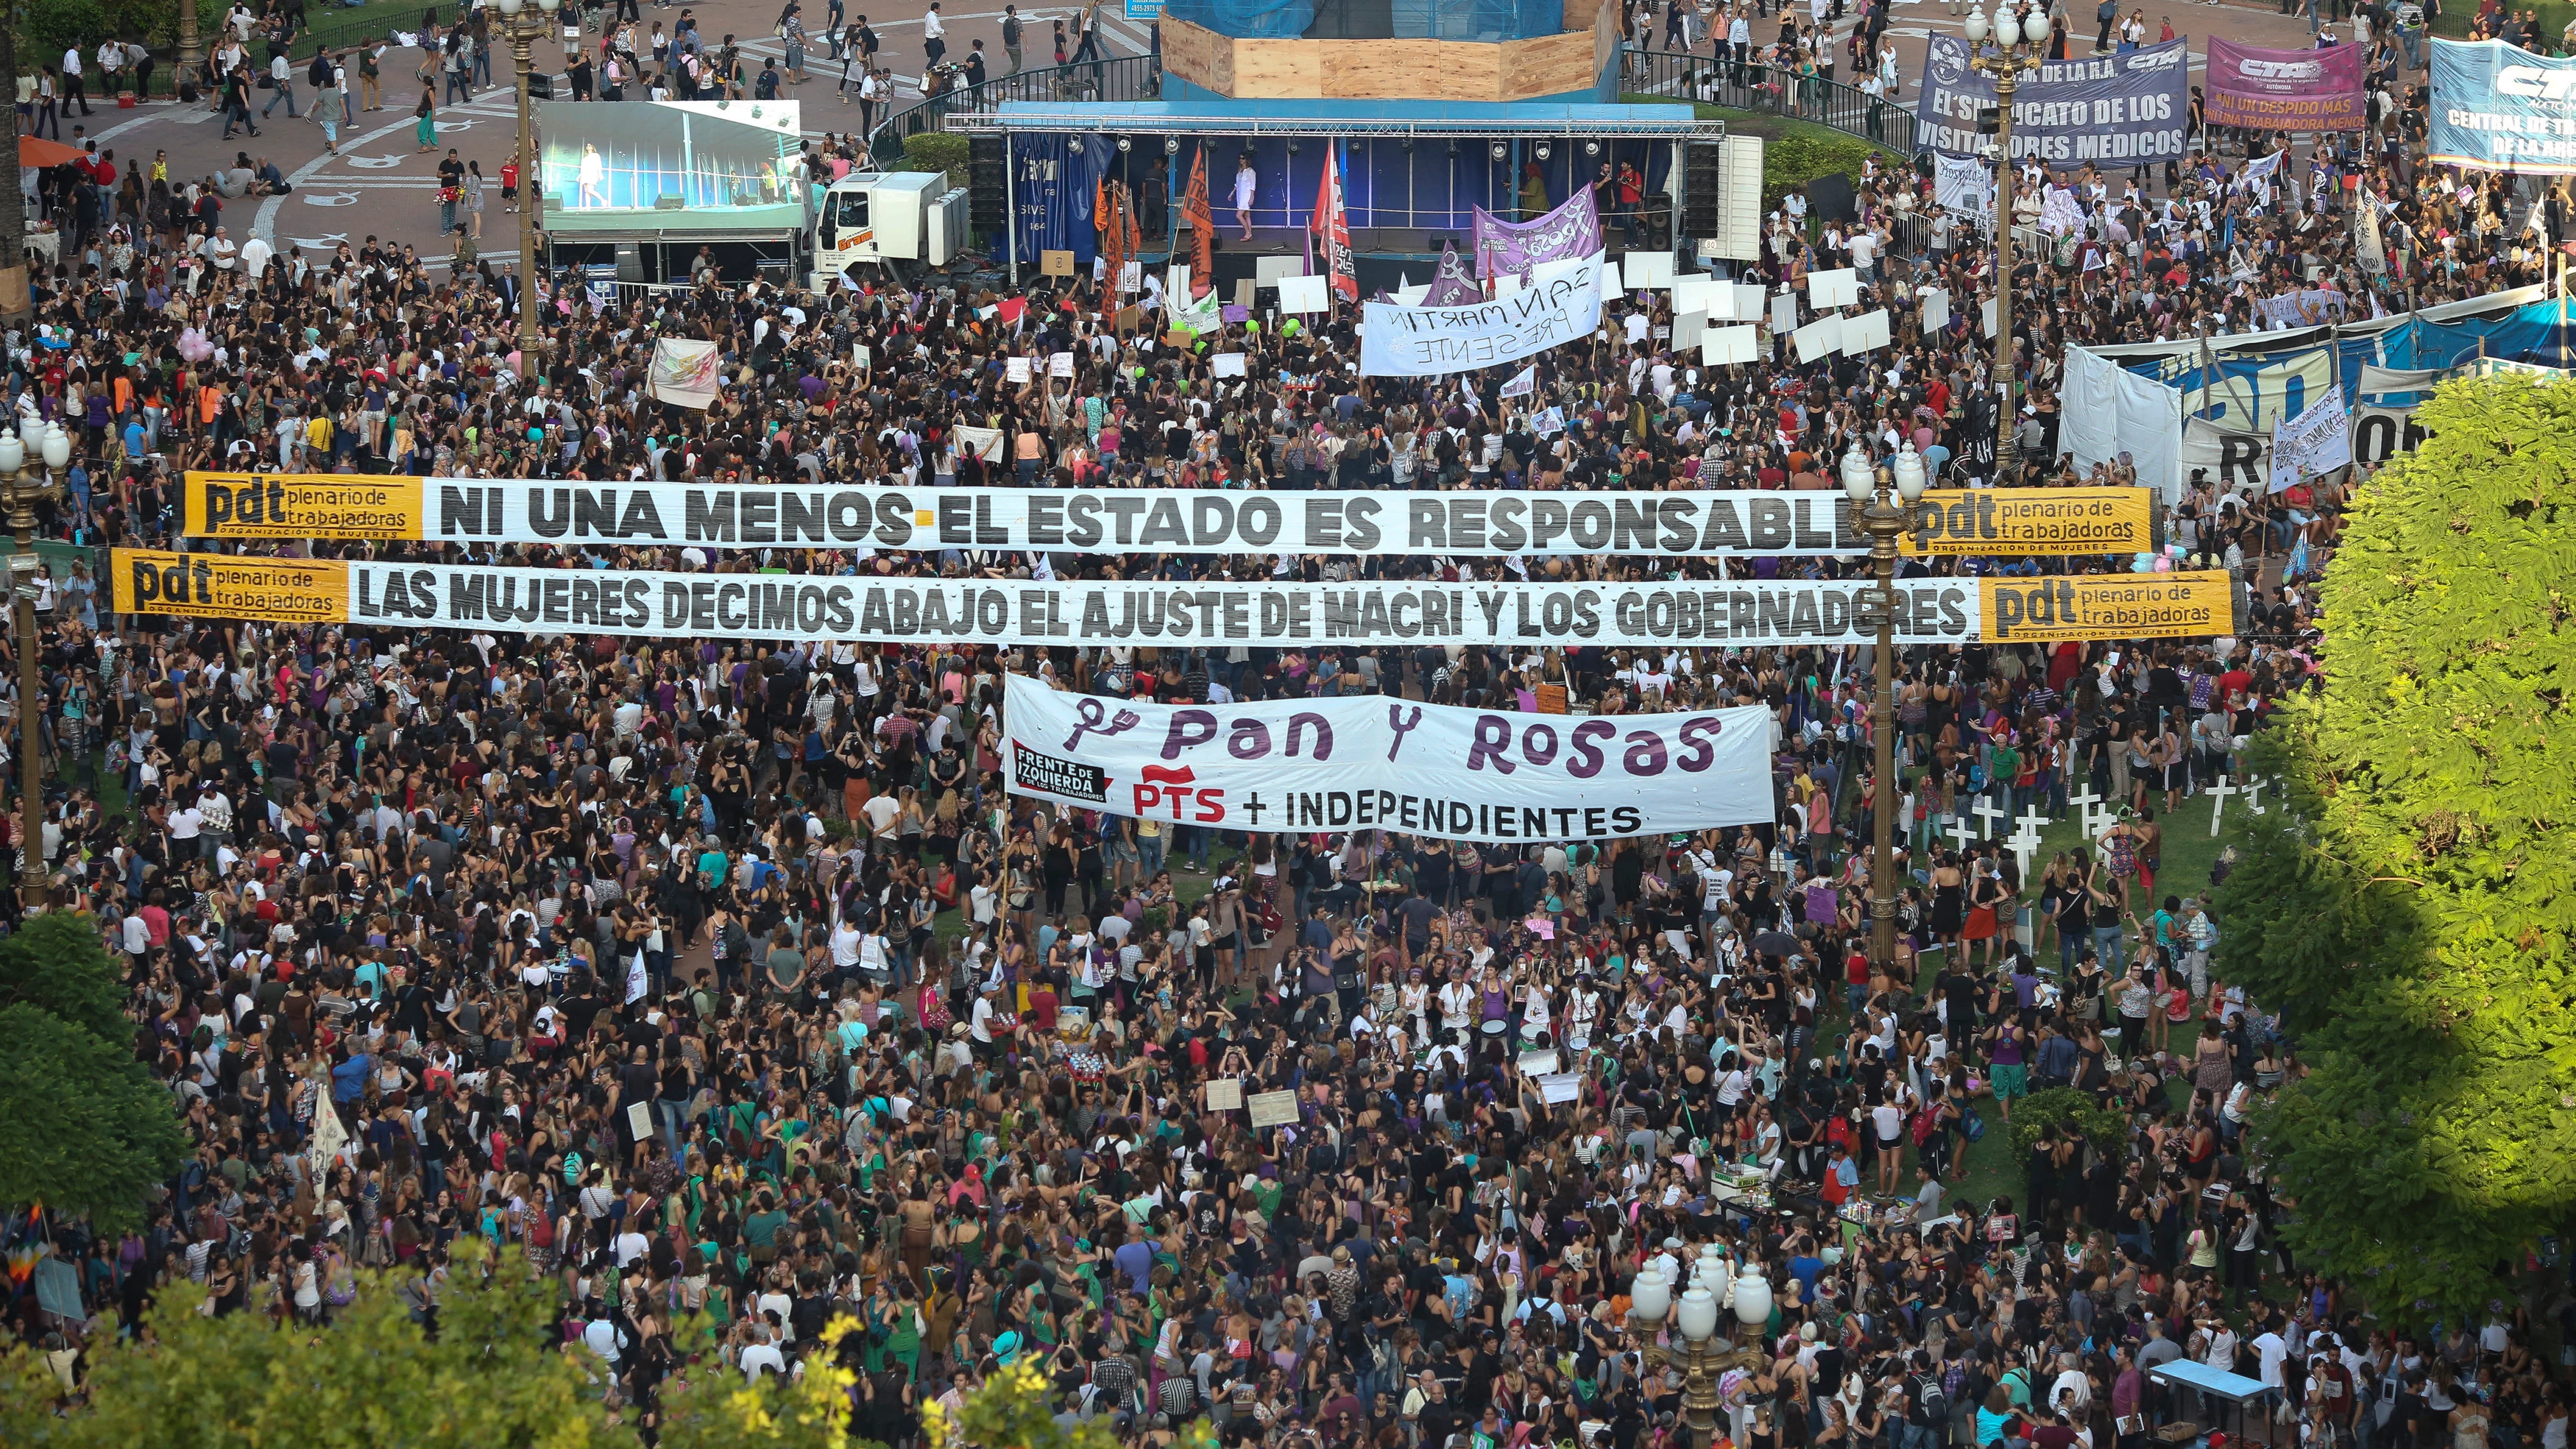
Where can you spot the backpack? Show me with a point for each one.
(1926, 1122)
(1936, 1404)
(1972, 1126)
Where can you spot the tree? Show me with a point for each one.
(84, 1129)
(56, 964)
(2409, 910)
(494, 1377)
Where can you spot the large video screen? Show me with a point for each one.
(682, 165)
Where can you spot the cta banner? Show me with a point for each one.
(1563, 304)
(2127, 109)
(2285, 90)
(1377, 762)
(2497, 107)
(817, 608)
(1747, 523)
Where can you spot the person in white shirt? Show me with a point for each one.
(934, 37)
(74, 88)
(762, 1357)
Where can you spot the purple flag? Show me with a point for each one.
(1450, 285)
(1572, 230)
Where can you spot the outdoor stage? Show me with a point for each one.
(1413, 172)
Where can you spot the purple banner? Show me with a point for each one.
(2285, 90)
(1572, 230)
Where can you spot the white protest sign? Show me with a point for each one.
(1226, 364)
(1698, 293)
(1784, 312)
(1865, 332)
(1272, 1109)
(1837, 288)
(1015, 369)
(1936, 308)
(1647, 271)
(1728, 346)
(1820, 338)
(1305, 295)
(1060, 365)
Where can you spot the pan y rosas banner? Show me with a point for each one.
(2285, 90)
(929, 611)
(2128, 108)
(1374, 761)
(1121, 520)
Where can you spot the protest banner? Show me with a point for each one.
(2128, 109)
(2106, 606)
(2498, 108)
(1375, 760)
(1517, 247)
(1955, 521)
(1562, 306)
(2285, 90)
(2312, 444)
(820, 608)
(684, 373)
(1747, 523)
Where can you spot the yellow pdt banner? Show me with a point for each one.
(205, 585)
(303, 505)
(1950, 522)
(2105, 606)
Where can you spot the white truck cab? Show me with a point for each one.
(888, 216)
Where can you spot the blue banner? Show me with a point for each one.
(1053, 176)
(2499, 108)
(2125, 110)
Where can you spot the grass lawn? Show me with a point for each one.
(2189, 853)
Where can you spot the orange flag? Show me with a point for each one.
(1194, 208)
(1113, 251)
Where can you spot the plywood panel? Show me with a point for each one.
(1579, 14)
(1428, 70)
(1278, 69)
(1605, 40)
(1200, 56)
(1552, 66)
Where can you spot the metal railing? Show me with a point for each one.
(1124, 78)
(1771, 90)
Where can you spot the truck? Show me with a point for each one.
(866, 217)
(887, 216)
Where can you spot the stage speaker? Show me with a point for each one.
(1703, 190)
(1353, 20)
(1829, 198)
(988, 201)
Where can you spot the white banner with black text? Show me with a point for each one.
(1379, 762)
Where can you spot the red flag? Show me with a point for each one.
(1334, 225)
(1194, 209)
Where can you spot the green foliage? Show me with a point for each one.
(936, 151)
(1015, 1409)
(1794, 159)
(84, 1129)
(2072, 1113)
(2409, 909)
(56, 964)
(46, 28)
(495, 1375)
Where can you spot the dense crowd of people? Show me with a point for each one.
(728, 982)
